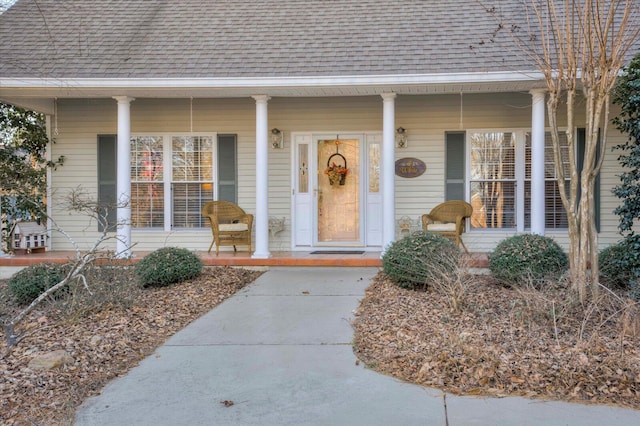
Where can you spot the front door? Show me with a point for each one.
(336, 199)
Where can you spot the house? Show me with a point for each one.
(162, 106)
(28, 237)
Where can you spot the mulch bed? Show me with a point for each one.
(503, 342)
(105, 341)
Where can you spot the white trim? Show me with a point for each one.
(387, 170)
(123, 193)
(249, 82)
(317, 173)
(167, 179)
(372, 201)
(537, 161)
(262, 178)
(519, 134)
(167, 175)
(312, 139)
(45, 106)
(301, 226)
(520, 137)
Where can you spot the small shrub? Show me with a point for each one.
(167, 266)
(32, 281)
(419, 259)
(527, 257)
(110, 285)
(620, 263)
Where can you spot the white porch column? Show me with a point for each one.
(123, 233)
(388, 170)
(262, 178)
(537, 161)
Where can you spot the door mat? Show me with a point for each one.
(338, 252)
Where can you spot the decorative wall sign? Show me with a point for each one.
(410, 167)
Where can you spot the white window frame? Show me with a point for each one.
(134, 181)
(520, 173)
(167, 138)
(555, 179)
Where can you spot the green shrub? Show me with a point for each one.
(620, 263)
(110, 285)
(32, 281)
(167, 266)
(419, 259)
(526, 257)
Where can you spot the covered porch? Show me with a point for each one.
(365, 114)
(8, 265)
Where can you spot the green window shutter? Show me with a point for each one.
(580, 141)
(227, 168)
(107, 179)
(454, 165)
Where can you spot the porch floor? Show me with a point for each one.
(228, 258)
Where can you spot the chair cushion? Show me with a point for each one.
(233, 227)
(441, 227)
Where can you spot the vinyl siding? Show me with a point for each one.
(426, 119)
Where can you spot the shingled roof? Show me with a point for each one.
(274, 38)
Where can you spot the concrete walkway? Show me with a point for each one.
(279, 353)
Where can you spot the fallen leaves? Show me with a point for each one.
(496, 347)
(104, 344)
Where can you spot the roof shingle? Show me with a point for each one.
(268, 38)
(230, 38)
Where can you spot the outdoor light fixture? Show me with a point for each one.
(401, 137)
(277, 138)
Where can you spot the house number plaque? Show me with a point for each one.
(410, 167)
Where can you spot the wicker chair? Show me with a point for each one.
(448, 220)
(230, 225)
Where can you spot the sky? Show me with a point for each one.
(5, 4)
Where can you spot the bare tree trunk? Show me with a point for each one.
(580, 45)
(77, 202)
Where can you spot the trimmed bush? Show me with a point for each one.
(419, 259)
(525, 257)
(32, 281)
(167, 266)
(620, 263)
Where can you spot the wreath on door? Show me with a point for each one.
(337, 169)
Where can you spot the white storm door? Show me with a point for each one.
(303, 213)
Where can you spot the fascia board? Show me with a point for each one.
(271, 82)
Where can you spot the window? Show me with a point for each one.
(147, 182)
(492, 179)
(374, 168)
(172, 176)
(499, 184)
(303, 169)
(555, 216)
(192, 179)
